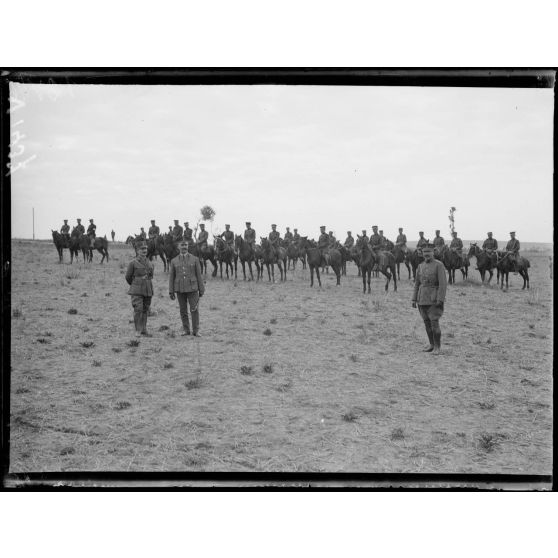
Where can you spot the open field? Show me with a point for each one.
(285, 377)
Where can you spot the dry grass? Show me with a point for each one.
(340, 385)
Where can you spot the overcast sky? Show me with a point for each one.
(299, 156)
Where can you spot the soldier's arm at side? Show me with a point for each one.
(201, 286)
(172, 273)
(417, 285)
(442, 283)
(130, 273)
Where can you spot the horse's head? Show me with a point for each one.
(237, 241)
(473, 248)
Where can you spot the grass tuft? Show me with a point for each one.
(246, 370)
(353, 358)
(397, 434)
(267, 331)
(116, 349)
(133, 343)
(349, 416)
(164, 328)
(168, 365)
(196, 383)
(487, 442)
(96, 363)
(121, 405)
(67, 451)
(487, 405)
(268, 368)
(72, 311)
(285, 386)
(273, 321)
(87, 344)
(17, 313)
(42, 340)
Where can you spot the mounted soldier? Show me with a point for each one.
(202, 239)
(153, 231)
(332, 239)
(374, 238)
(274, 238)
(387, 244)
(383, 240)
(288, 236)
(177, 232)
(228, 236)
(91, 232)
(250, 235)
(349, 241)
(364, 236)
(421, 242)
(141, 236)
(188, 232)
(401, 240)
(65, 230)
(323, 245)
(112, 234)
(512, 248)
(438, 242)
(79, 228)
(296, 237)
(456, 243)
(490, 244)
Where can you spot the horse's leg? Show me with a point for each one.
(369, 275)
(318, 275)
(364, 281)
(337, 271)
(394, 278)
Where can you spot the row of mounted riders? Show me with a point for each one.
(367, 259)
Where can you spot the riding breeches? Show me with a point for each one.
(431, 315)
(141, 306)
(191, 298)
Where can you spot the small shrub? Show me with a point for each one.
(72, 311)
(487, 405)
(234, 301)
(168, 365)
(163, 328)
(397, 434)
(267, 331)
(273, 321)
(21, 390)
(133, 343)
(194, 384)
(67, 451)
(349, 416)
(246, 370)
(17, 313)
(268, 368)
(107, 294)
(121, 405)
(285, 386)
(42, 340)
(84, 294)
(171, 334)
(353, 358)
(487, 442)
(96, 363)
(117, 349)
(87, 344)
(47, 334)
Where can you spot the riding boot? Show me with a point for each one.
(429, 348)
(144, 323)
(137, 322)
(437, 342)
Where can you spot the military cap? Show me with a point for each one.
(348, 232)
(91, 220)
(454, 232)
(227, 225)
(437, 230)
(153, 220)
(374, 226)
(421, 232)
(364, 231)
(322, 227)
(381, 231)
(183, 241)
(79, 219)
(273, 225)
(288, 228)
(295, 229)
(489, 232)
(65, 220)
(248, 223)
(202, 224)
(176, 220)
(512, 232)
(141, 245)
(400, 228)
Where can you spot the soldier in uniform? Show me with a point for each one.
(275, 239)
(401, 240)
(387, 244)
(188, 232)
(429, 294)
(177, 231)
(332, 239)
(139, 276)
(438, 240)
(65, 230)
(383, 240)
(91, 232)
(364, 236)
(296, 237)
(288, 236)
(185, 280)
(202, 239)
(374, 238)
(456, 243)
(228, 236)
(250, 235)
(170, 230)
(153, 231)
(421, 241)
(79, 227)
(512, 248)
(490, 244)
(141, 235)
(349, 241)
(323, 245)
(112, 234)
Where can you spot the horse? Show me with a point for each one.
(345, 257)
(385, 262)
(292, 255)
(225, 254)
(60, 242)
(315, 259)
(355, 255)
(101, 245)
(246, 254)
(401, 257)
(453, 260)
(170, 248)
(486, 261)
(505, 265)
(156, 247)
(80, 241)
(415, 259)
(270, 258)
(258, 258)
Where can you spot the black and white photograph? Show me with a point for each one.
(281, 276)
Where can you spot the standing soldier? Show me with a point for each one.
(288, 236)
(374, 237)
(296, 237)
(250, 235)
(139, 276)
(430, 294)
(65, 230)
(202, 239)
(323, 245)
(275, 239)
(512, 248)
(141, 235)
(188, 232)
(228, 236)
(490, 244)
(177, 231)
(79, 227)
(421, 242)
(438, 241)
(91, 232)
(456, 243)
(186, 281)
(112, 234)
(401, 240)
(153, 230)
(349, 241)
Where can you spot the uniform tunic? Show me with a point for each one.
(456, 244)
(153, 231)
(513, 245)
(438, 242)
(490, 244)
(65, 229)
(91, 229)
(188, 232)
(202, 239)
(138, 276)
(365, 238)
(228, 236)
(323, 241)
(401, 240)
(421, 242)
(250, 237)
(296, 237)
(349, 242)
(430, 283)
(141, 235)
(375, 240)
(80, 228)
(177, 232)
(288, 237)
(274, 237)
